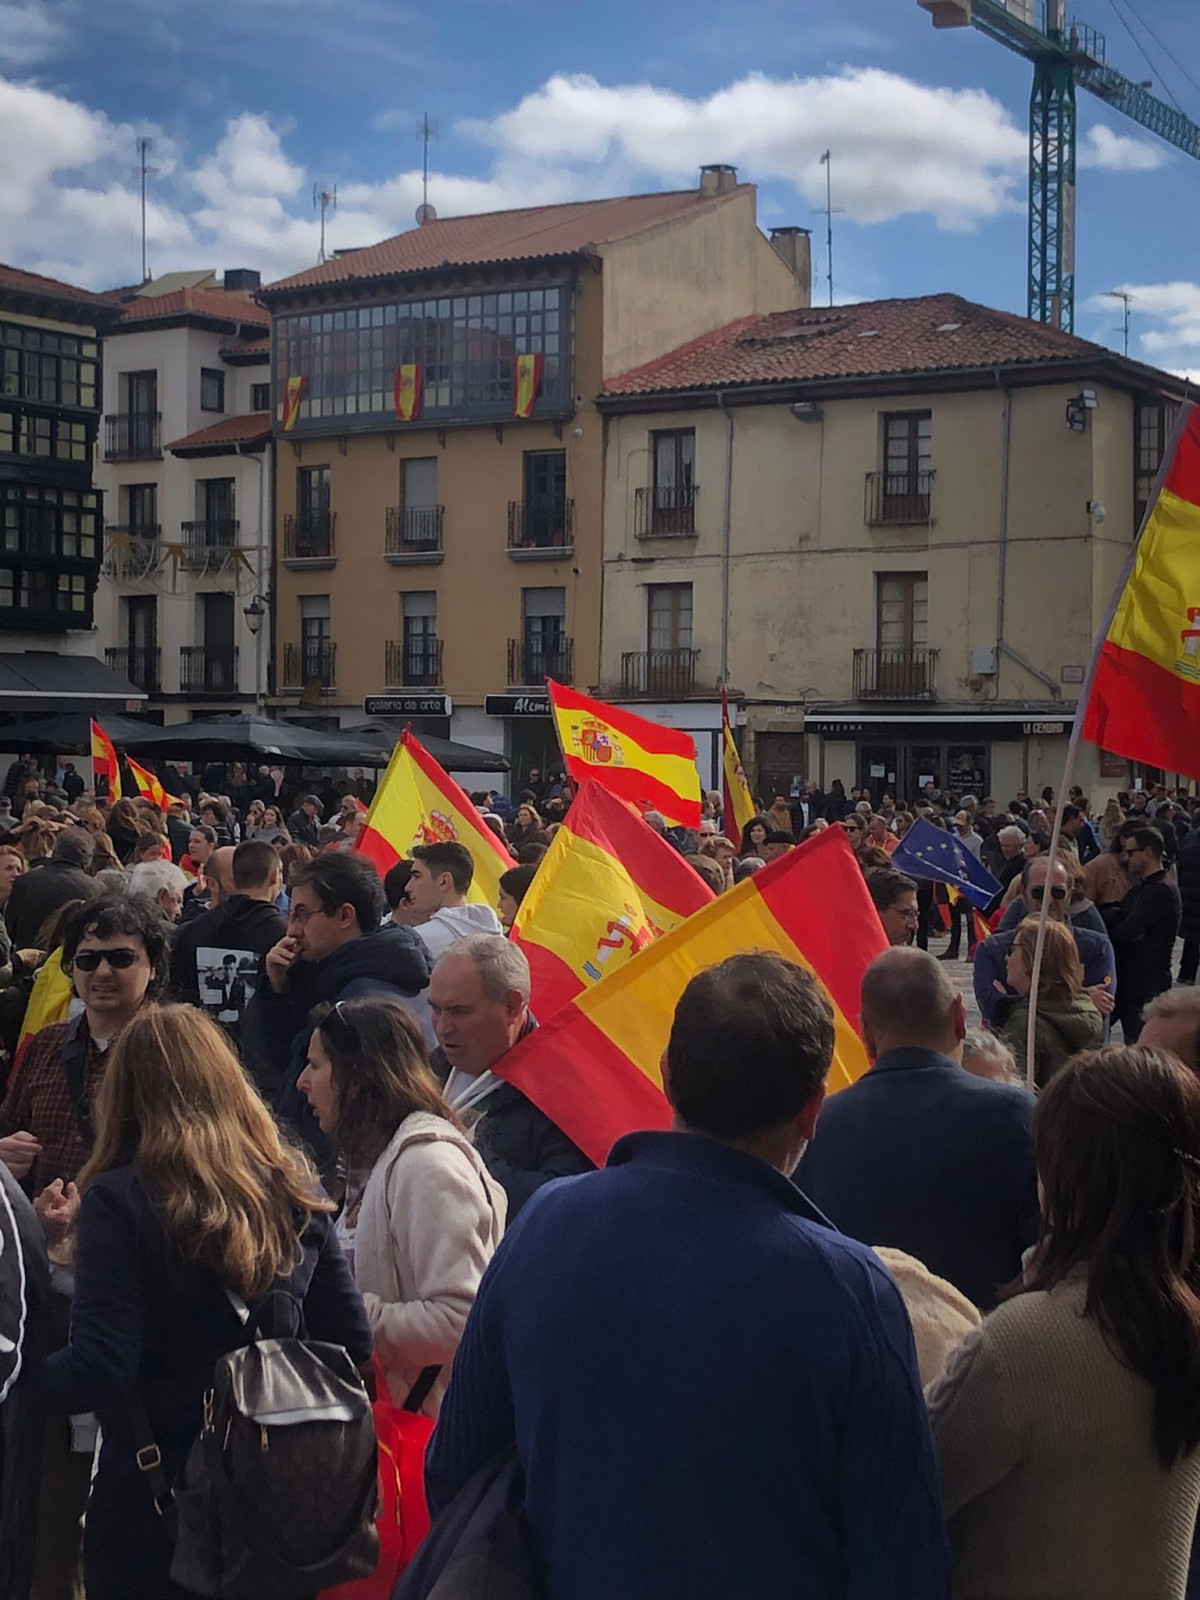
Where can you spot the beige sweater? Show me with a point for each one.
(430, 1221)
(1050, 1484)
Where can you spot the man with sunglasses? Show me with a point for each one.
(1095, 947)
(1144, 928)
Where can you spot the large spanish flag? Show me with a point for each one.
(104, 761)
(594, 1067)
(293, 394)
(637, 760)
(148, 785)
(1145, 695)
(528, 383)
(608, 886)
(407, 389)
(736, 804)
(418, 802)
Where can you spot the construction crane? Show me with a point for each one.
(1063, 54)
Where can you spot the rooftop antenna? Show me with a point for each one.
(830, 211)
(324, 202)
(142, 171)
(1126, 299)
(427, 129)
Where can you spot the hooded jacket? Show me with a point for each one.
(452, 923)
(217, 958)
(1063, 1029)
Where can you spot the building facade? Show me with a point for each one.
(440, 460)
(892, 529)
(185, 463)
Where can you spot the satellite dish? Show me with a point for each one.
(425, 213)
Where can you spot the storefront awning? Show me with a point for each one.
(43, 680)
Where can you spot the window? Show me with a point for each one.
(140, 393)
(907, 474)
(312, 497)
(141, 623)
(212, 389)
(56, 523)
(545, 513)
(674, 482)
(545, 626)
(1153, 421)
(466, 346)
(141, 510)
(57, 438)
(421, 514)
(422, 652)
(54, 368)
(215, 511)
(260, 397)
(669, 616)
(903, 663)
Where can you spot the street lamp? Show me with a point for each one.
(254, 614)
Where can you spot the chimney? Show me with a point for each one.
(242, 278)
(717, 179)
(793, 246)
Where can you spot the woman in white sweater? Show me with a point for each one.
(1066, 1427)
(422, 1216)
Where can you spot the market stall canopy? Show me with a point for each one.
(237, 738)
(43, 680)
(70, 732)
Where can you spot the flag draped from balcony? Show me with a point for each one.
(407, 390)
(418, 802)
(608, 886)
(1145, 692)
(148, 785)
(737, 804)
(652, 767)
(104, 761)
(293, 393)
(594, 1068)
(528, 371)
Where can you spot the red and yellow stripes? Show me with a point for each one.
(104, 761)
(737, 804)
(594, 1067)
(148, 785)
(652, 767)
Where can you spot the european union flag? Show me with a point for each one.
(929, 852)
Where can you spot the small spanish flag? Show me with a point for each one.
(737, 805)
(406, 391)
(104, 761)
(528, 384)
(148, 785)
(292, 395)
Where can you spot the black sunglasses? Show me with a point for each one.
(1057, 893)
(338, 1018)
(118, 960)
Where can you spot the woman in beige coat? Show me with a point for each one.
(421, 1217)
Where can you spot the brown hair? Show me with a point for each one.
(37, 839)
(175, 1104)
(1061, 977)
(92, 818)
(104, 855)
(381, 1073)
(125, 814)
(1117, 1135)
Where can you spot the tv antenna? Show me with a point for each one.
(1126, 299)
(325, 203)
(142, 171)
(830, 211)
(427, 129)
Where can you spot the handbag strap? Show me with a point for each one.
(148, 1456)
(419, 1392)
(73, 1052)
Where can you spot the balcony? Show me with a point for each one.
(140, 663)
(207, 545)
(666, 512)
(895, 674)
(208, 669)
(412, 663)
(531, 661)
(131, 552)
(659, 674)
(541, 530)
(899, 499)
(308, 540)
(306, 665)
(133, 436)
(413, 536)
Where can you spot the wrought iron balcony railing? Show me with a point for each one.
(905, 674)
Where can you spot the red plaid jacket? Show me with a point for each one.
(39, 1103)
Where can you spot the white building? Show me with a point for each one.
(185, 465)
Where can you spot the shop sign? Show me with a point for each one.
(834, 730)
(516, 705)
(407, 705)
(1043, 729)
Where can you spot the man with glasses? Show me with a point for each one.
(1095, 947)
(1143, 928)
(894, 896)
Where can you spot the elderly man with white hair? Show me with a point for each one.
(160, 881)
(479, 1004)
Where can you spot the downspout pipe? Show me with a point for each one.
(1003, 648)
(726, 527)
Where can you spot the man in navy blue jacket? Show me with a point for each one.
(712, 1393)
(919, 1154)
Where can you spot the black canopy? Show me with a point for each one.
(70, 731)
(238, 738)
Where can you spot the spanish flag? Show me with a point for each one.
(49, 1001)
(608, 887)
(528, 383)
(652, 767)
(594, 1068)
(1145, 693)
(407, 390)
(293, 393)
(420, 803)
(736, 803)
(104, 761)
(148, 785)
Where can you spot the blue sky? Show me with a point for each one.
(251, 101)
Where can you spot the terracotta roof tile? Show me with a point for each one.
(225, 305)
(250, 429)
(251, 347)
(877, 338)
(495, 236)
(52, 288)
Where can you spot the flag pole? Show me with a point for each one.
(1085, 693)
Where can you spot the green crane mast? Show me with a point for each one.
(1063, 54)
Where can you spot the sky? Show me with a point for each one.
(250, 103)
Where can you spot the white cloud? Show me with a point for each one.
(1107, 151)
(1164, 323)
(393, 121)
(29, 35)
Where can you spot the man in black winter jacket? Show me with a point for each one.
(1143, 929)
(41, 892)
(334, 949)
(216, 959)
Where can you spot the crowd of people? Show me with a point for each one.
(934, 1335)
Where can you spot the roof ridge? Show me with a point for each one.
(728, 330)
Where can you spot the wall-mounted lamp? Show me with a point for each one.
(1078, 407)
(807, 411)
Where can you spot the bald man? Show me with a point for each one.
(1172, 1022)
(919, 1154)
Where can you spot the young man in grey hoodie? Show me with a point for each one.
(437, 893)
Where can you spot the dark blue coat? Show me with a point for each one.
(923, 1156)
(1187, 869)
(712, 1393)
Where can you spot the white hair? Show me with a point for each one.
(150, 878)
(502, 966)
(978, 1042)
(1011, 832)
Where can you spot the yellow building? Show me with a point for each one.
(433, 546)
(893, 528)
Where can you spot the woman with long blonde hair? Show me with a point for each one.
(191, 1192)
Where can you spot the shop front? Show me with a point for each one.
(530, 742)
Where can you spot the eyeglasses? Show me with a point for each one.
(1039, 892)
(303, 914)
(338, 1017)
(118, 960)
